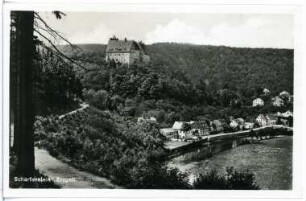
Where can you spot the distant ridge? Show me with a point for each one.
(218, 66)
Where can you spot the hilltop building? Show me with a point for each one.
(126, 51)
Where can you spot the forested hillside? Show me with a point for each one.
(239, 69)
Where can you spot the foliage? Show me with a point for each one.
(129, 154)
(214, 67)
(231, 180)
(186, 81)
(57, 88)
(186, 127)
(109, 145)
(238, 69)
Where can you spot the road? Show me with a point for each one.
(83, 106)
(67, 176)
(171, 145)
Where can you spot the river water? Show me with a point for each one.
(269, 160)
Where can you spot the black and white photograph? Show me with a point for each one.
(151, 100)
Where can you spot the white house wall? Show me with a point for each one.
(119, 57)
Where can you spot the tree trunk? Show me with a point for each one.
(24, 109)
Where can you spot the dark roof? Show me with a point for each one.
(120, 46)
(200, 124)
(271, 116)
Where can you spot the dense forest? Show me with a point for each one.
(184, 82)
(241, 69)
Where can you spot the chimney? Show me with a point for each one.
(114, 38)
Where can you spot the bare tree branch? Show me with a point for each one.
(59, 53)
(52, 34)
(41, 25)
(52, 31)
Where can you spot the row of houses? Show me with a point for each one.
(194, 130)
(276, 101)
(186, 130)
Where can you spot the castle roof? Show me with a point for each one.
(121, 46)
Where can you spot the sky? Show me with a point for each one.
(236, 30)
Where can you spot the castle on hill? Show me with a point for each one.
(126, 51)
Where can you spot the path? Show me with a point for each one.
(67, 176)
(210, 137)
(83, 106)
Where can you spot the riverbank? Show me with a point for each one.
(269, 160)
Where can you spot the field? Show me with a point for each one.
(269, 160)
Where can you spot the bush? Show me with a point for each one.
(210, 180)
(232, 180)
(100, 99)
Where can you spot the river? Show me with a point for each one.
(269, 160)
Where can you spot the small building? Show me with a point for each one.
(169, 133)
(258, 102)
(153, 119)
(277, 101)
(248, 125)
(278, 114)
(266, 91)
(271, 119)
(216, 125)
(144, 119)
(261, 120)
(287, 114)
(284, 94)
(234, 124)
(200, 128)
(240, 122)
(178, 126)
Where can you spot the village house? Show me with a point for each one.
(216, 125)
(178, 127)
(240, 122)
(287, 114)
(200, 128)
(284, 94)
(266, 91)
(278, 114)
(258, 102)
(277, 101)
(144, 119)
(125, 51)
(248, 125)
(261, 120)
(271, 119)
(234, 125)
(169, 133)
